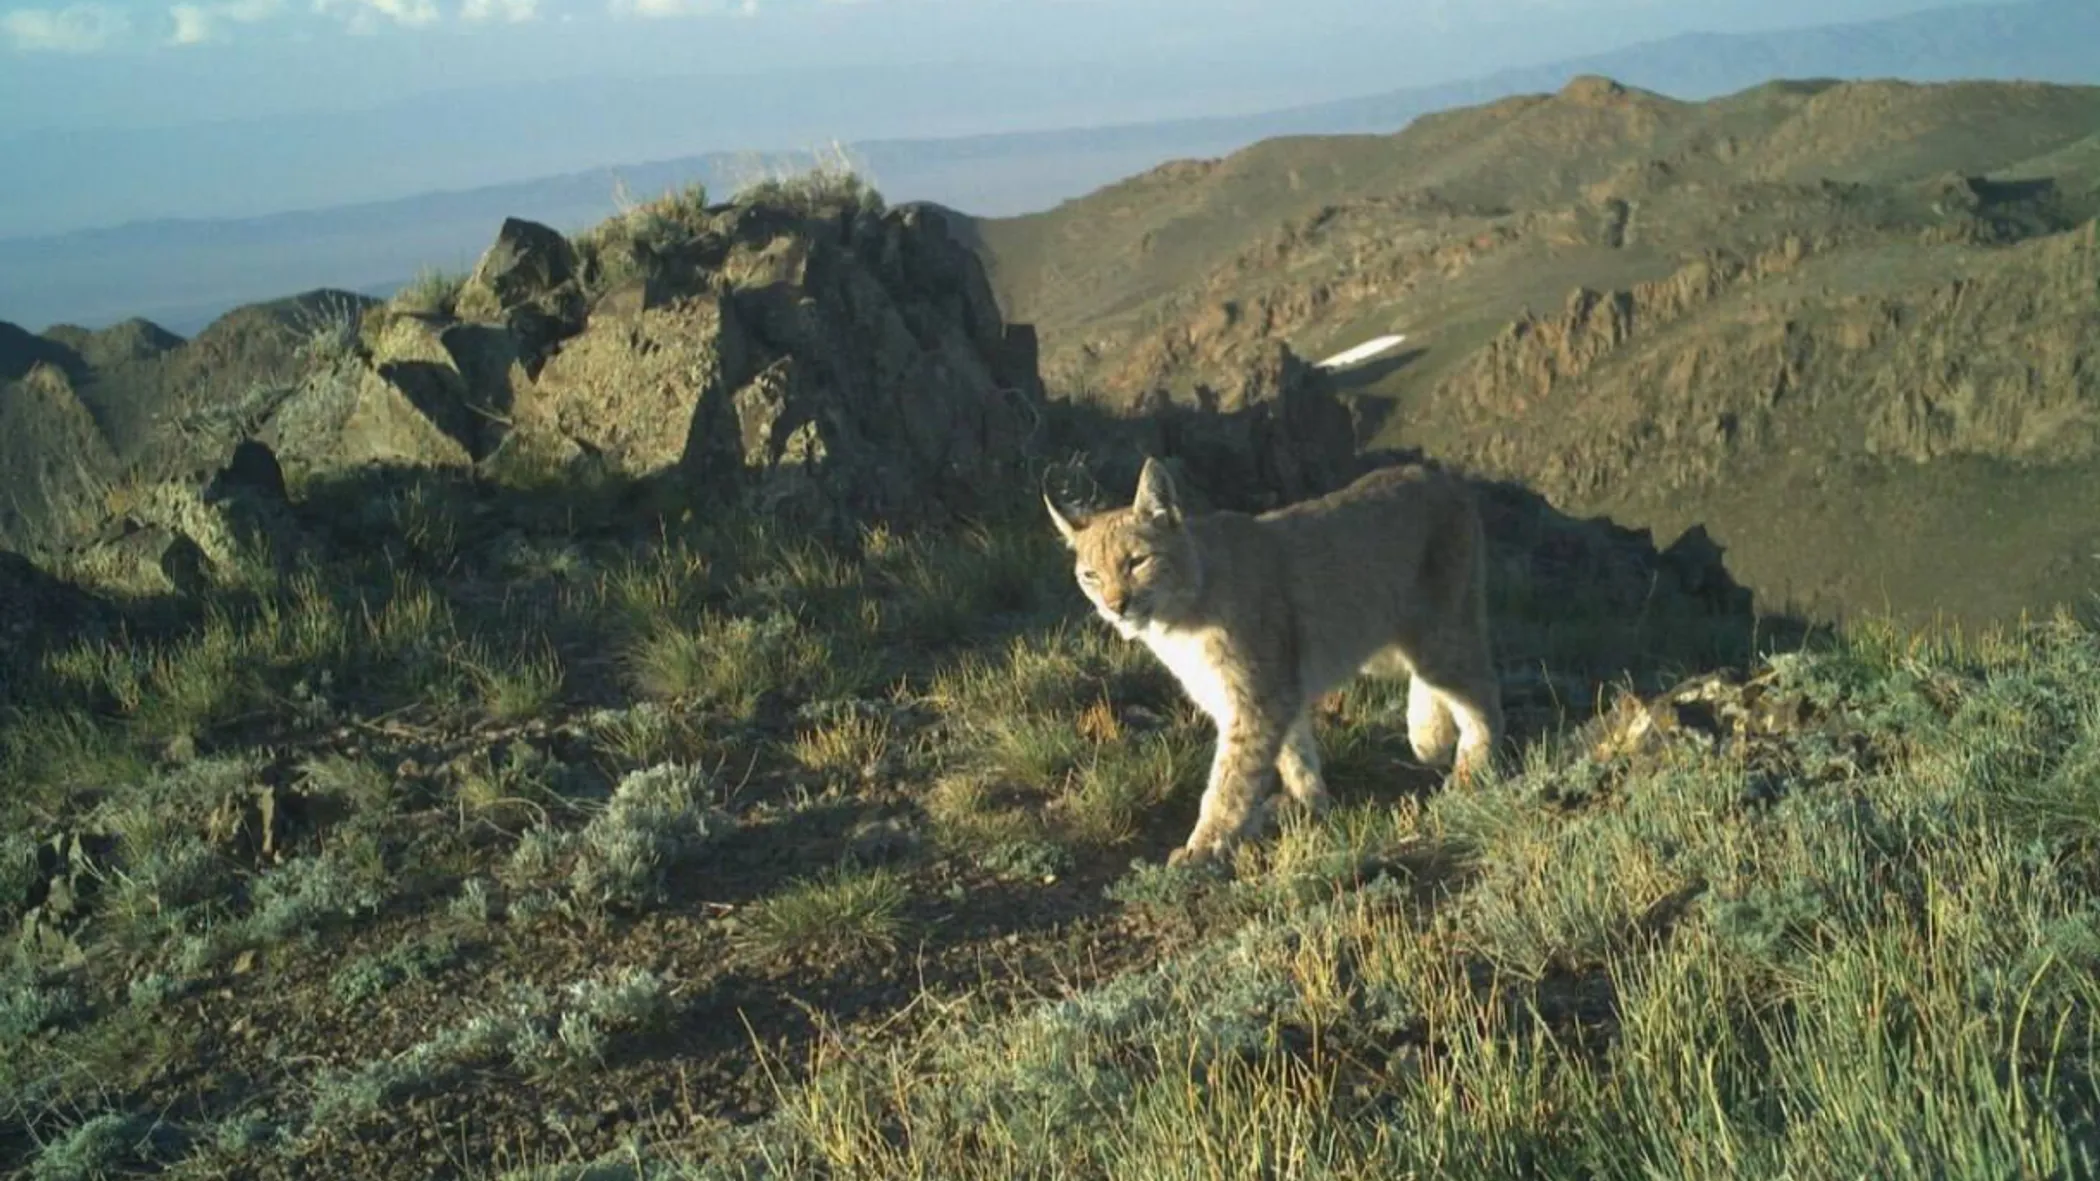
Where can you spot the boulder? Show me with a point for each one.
(527, 281)
(646, 391)
(251, 474)
(346, 414)
(463, 377)
(526, 261)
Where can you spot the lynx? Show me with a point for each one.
(1259, 616)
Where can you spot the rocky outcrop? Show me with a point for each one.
(184, 536)
(1535, 354)
(1944, 385)
(837, 366)
(1275, 434)
(529, 282)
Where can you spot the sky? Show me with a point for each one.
(115, 110)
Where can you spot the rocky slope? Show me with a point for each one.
(814, 355)
(1850, 327)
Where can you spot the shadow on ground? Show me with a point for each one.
(1578, 606)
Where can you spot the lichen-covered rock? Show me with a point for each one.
(835, 368)
(347, 414)
(463, 377)
(632, 388)
(184, 536)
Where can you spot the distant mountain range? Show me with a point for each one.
(181, 274)
(1847, 328)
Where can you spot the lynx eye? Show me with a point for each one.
(1089, 577)
(1140, 562)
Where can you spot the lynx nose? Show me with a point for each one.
(1114, 600)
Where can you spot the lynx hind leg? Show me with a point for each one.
(1432, 732)
(1432, 725)
(1299, 765)
(1458, 688)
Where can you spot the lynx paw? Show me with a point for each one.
(1470, 769)
(1202, 849)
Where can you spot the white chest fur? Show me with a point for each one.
(1192, 656)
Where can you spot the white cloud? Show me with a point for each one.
(499, 10)
(196, 24)
(193, 25)
(77, 28)
(368, 15)
(669, 8)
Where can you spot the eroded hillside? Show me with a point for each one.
(1852, 328)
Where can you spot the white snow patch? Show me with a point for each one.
(1363, 352)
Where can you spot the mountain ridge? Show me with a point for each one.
(1653, 310)
(377, 246)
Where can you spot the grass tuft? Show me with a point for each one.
(841, 911)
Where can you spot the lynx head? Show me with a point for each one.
(1136, 564)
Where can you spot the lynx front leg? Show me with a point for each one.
(1242, 776)
(1300, 766)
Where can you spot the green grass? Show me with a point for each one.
(1887, 972)
(433, 292)
(619, 249)
(839, 911)
(830, 184)
(389, 834)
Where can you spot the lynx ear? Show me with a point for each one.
(1156, 497)
(1065, 527)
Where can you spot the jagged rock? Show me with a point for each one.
(463, 377)
(902, 388)
(833, 367)
(526, 261)
(527, 281)
(346, 414)
(647, 391)
(1274, 434)
(252, 472)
